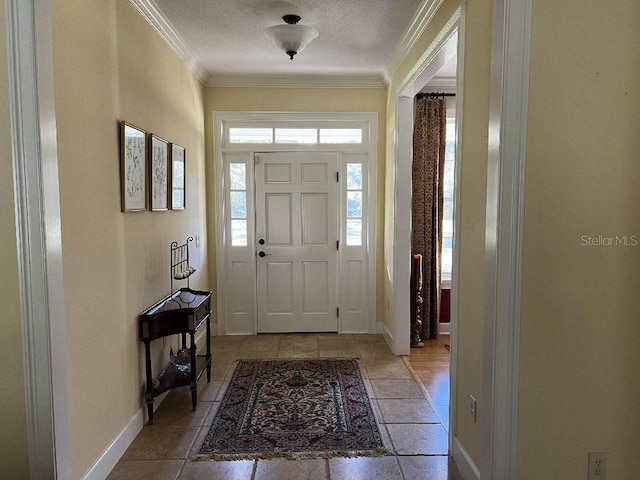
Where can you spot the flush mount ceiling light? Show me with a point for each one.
(291, 37)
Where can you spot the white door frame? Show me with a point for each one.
(36, 192)
(508, 112)
(369, 121)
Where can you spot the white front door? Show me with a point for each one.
(296, 238)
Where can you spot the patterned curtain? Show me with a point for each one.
(426, 215)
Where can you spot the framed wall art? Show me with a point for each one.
(158, 178)
(177, 173)
(133, 168)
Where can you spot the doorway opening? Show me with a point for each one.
(430, 361)
(439, 70)
(296, 221)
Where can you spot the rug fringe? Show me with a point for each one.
(279, 359)
(378, 452)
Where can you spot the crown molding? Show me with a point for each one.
(444, 83)
(423, 17)
(290, 81)
(433, 49)
(154, 17)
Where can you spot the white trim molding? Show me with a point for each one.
(503, 244)
(161, 25)
(455, 276)
(423, 17)
(296, 81)
(39, 247)
(154, 17)
(419, 71)
(401, 260)
(465, 464)
(112, 454)
(446, 84)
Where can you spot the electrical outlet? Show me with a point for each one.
(597, 466)
(473, 408)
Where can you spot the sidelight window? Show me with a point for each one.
(354, 204)
(238, 203)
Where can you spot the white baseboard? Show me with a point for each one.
(382, 329)
(444, 328)
(463, 460)
(112, 454)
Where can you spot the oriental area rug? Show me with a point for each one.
(294, 409)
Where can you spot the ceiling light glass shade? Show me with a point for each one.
(291, 39)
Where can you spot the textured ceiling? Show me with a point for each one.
(357, 37)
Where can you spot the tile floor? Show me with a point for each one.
(410, 422)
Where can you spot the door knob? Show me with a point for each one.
(261, 241)
(262, 254)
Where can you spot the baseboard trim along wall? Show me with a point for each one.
(112, 454)
(382, 329)
(467, 468)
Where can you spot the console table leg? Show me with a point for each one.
(194, 377)
(149, 393)
(194, 398)
(150, 411)
(208, 357)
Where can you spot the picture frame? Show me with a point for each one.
(133, 168)
(177, 177)
(158, 173)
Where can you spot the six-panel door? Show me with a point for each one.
(296, 240)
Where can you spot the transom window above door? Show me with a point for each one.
(304, 136)
(321, 134)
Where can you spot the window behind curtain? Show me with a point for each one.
(449, 184)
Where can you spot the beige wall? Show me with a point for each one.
(109, 65)
(579, 363)
(13, 434)
(297, 100)
(582, 173)
(471, 210)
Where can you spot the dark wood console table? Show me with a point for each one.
(182, 312)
